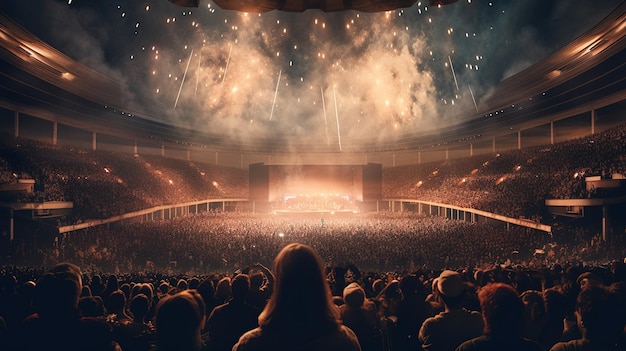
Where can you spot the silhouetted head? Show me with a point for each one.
(222, 291)
(139, 306)
(240, 286)
(301, 302)
(502, 309)
(117, 301)
(179, 319)
(599, 314)
(91, 306)
(58, 291)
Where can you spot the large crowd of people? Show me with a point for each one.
(103, 184)
(398, 280)
(514, 183)
(303, 303)
(386, 241)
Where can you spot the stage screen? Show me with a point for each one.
(344, 186)
(310, 180)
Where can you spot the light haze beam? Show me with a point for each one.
(226, 68)
(198, 74)
(325, 117)
(473, 99)
(453, 74)
(337, 118)
(276, 93)
(183, 81)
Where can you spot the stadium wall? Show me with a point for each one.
(47, 128)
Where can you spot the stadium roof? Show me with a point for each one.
(587, 73)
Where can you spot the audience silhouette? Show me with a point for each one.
(300, 314)
(179, 320)
(230, 320)
(57, 325)
(600, 317)
(502, 311)
(448, 329)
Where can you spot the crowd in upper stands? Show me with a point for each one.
(103, 184)
(494, 183)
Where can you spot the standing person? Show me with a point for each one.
(230, 320)
(412, 310)
(599, 320)
(359, 314)
(448, 329)
(57, 324)
(300, 314)
(261, 285)
(503, 312)
(179, 319)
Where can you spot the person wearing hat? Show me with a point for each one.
(587, 279)
(359, 314)
(453, 326)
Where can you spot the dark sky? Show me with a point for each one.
(326, 78)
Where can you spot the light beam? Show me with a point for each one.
(183, 81)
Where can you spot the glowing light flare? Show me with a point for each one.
(554, 74)
(67, 76)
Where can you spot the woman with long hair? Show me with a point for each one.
(300, 314)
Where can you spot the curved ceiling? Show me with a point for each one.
(587, 72)
(261, 6)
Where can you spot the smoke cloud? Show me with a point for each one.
(329, 79)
